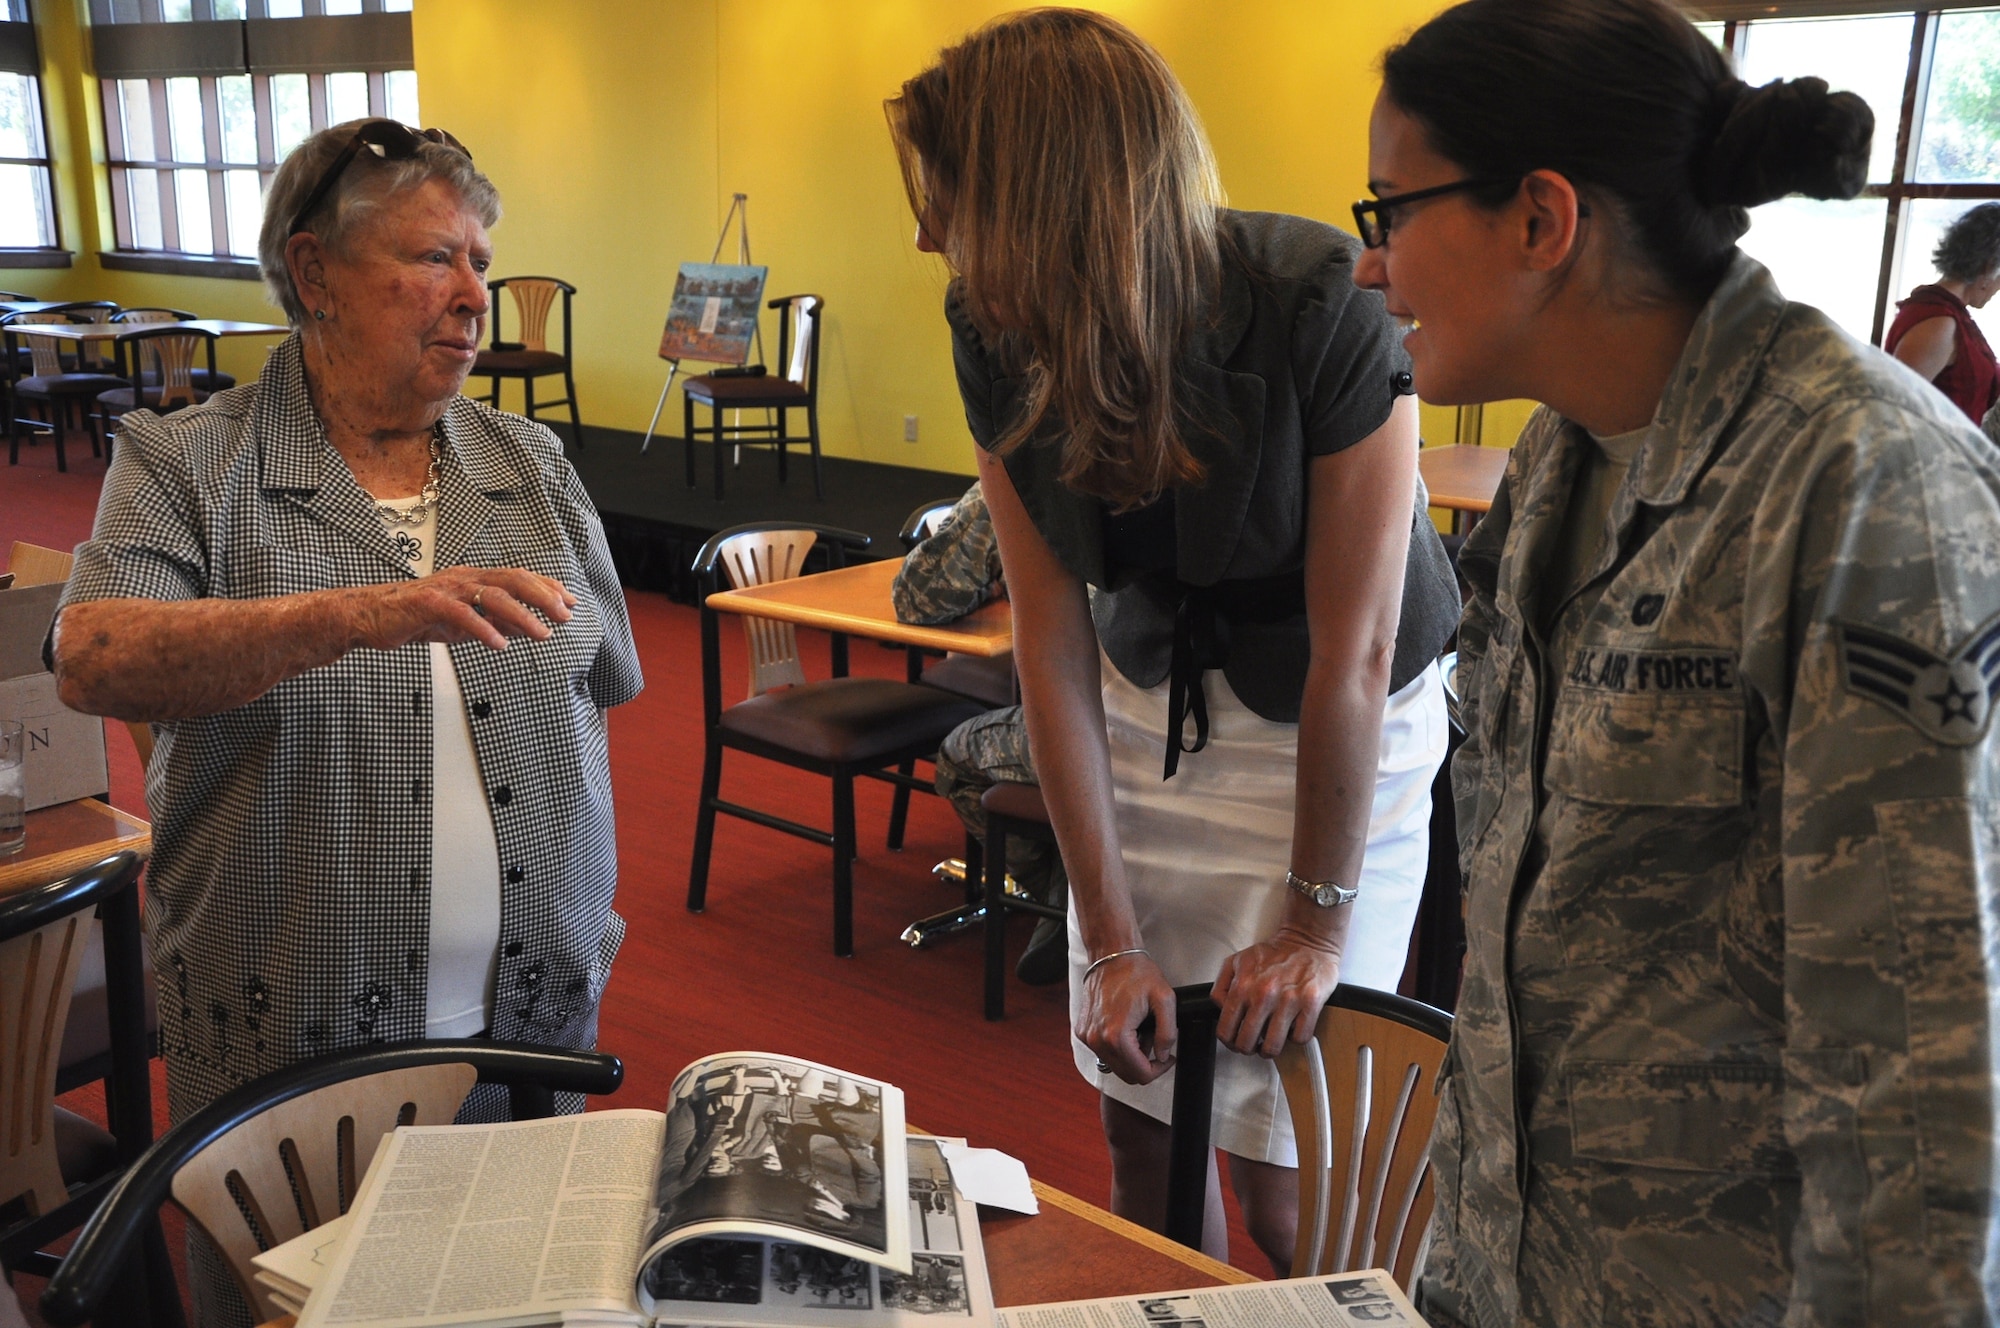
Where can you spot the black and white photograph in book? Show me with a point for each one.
(933, 1201)
(936, 1285)
(775, 1140)
(818, 1279)
(715, 1272)
(1362, 1300)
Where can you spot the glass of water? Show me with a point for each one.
(13, 794)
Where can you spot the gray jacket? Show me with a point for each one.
(1723, 1051)
(1299, 362)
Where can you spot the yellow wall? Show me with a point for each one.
(617, 131)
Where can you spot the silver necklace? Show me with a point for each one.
(416, 516)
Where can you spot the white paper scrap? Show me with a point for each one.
(989, 1176)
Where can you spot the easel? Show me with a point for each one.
(739, 212)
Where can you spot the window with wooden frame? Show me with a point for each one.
(28, 232)
(203, 98)
(1932, 78)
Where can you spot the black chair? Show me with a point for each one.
(530, 357)
(172, 352)
(91, 1269)
(56, 1166)
(839, 727)
(209, 379)
(1363, 1095)
(53, 385)
(799, 319)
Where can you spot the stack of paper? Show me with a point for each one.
(293, 1269)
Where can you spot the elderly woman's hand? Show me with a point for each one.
(1271, 993)
(1117, 998)
(484, 604)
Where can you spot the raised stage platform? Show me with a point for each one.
(656, 523)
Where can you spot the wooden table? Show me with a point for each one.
(856, 600)
(1073, 1250)
(221, 327)
(1461, 478)
(70, 836)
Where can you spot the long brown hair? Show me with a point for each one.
(1077, 198)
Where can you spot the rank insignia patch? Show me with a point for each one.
(1949, 700)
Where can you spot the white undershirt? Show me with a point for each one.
(465, 855)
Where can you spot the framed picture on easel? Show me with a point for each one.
(714, 313)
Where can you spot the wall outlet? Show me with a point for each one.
(909, 428)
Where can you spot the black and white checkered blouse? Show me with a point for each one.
(289, 891)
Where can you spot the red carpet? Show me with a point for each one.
(757, 970)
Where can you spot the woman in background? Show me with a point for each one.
(1199, 453)
(1723, 1049)
(1934, 332)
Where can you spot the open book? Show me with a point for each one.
(772, 1191)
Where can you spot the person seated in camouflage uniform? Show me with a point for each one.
(949, 574)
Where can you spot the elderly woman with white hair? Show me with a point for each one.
(376, 627)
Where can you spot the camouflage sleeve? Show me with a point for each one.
(1872, 637)
(954, 571)
(1479, 567)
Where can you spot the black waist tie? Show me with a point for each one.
(1201, 642)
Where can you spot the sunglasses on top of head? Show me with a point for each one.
(388, 140)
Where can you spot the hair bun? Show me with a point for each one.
(1792, 136)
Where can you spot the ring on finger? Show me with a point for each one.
(477, 597)
(1103, 1066)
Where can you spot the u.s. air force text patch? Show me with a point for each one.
(1600, 669)
(1948, 700)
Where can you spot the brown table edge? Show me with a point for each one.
(907, 634)
(1139, 1235)
(133, 833)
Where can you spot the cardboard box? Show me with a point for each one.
(65, 749)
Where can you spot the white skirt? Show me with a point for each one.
(1206, 854)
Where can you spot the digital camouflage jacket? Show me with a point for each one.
(1724, 1047)
(953, 570)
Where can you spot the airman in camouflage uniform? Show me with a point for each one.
(1724, 1052)
(952, 572)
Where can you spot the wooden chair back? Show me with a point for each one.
(282, 1173)
(533, 298)
(44, 350)
(34, 565)
(1363, 1094)
(37, 975)
(756, 559)
(149, 359)
(170, 355)
(801, 318)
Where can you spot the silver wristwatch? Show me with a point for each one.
(1324, 893)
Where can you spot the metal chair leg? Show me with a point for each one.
(715, 423)
(575, 421)
(843, 861)
(899, 808)
(704, 827)
(687, 435)
(812, 437)
(996, 917)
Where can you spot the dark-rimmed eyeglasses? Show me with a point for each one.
(387, 139)
(1373, 216)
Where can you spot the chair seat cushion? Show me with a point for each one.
(84, 1150)
(988, 680)
(1019, 802)
(746, 393)
(850, 720)
(120, 398)
(88, 1032)
(517, 362)
(68, 385)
